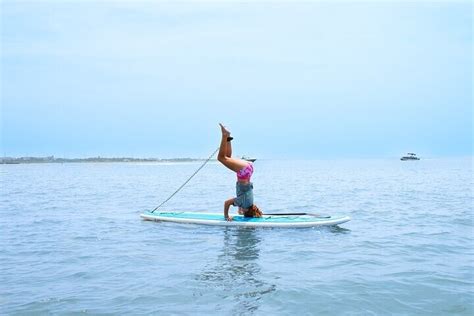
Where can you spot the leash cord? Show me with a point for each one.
(189, 179)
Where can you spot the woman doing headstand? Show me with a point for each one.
(244, 188)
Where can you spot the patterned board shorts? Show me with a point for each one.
(244, 197)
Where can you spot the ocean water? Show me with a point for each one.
(72, 241)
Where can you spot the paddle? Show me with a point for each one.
(286, 214)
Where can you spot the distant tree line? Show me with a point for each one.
(52, 159)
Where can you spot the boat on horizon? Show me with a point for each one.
(248, 158)
(410, 156)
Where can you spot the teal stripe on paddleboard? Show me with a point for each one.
(240, 218)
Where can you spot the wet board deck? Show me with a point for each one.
(239, 220)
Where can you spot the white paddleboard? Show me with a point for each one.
(296, 221)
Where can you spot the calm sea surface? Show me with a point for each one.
(72, 241)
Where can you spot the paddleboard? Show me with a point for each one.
(295, 221)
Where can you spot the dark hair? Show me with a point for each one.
(253, 211)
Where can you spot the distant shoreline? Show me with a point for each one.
(52, 159)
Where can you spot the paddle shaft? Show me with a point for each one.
(286, 214)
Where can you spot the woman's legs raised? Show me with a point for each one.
(223, 147)
(225, 152)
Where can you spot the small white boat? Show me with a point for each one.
(410, 156)
(248, 158)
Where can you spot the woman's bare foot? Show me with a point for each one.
(224, 130)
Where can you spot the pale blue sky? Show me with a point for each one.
(291, 80)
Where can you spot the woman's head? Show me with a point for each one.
(253, 211)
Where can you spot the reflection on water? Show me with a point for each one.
(236, 271)
(339, 230)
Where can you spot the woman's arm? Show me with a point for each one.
(227, 205)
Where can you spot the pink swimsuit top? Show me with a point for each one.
(245, 173)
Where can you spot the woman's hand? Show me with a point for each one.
(229, 218)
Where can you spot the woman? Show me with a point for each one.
(244, 187)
